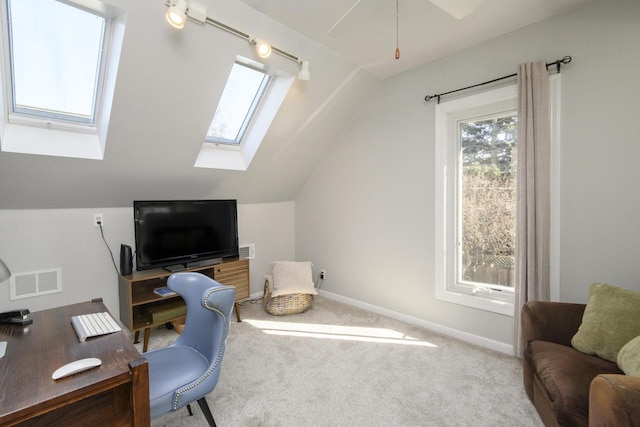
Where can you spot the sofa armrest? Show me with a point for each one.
(614, 400)
(550, 321)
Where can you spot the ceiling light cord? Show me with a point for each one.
(397, 32)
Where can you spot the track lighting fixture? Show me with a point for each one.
(263, 49)
(177, 13)
(304, 71)
(180, 10)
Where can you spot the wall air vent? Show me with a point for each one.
(35, 283)
(248, 251)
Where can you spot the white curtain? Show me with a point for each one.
(533, 198)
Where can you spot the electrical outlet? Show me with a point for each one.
(323, 274)
(98, 220)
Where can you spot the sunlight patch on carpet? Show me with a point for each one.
(337, 332)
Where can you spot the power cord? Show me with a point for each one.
(105, 242)
(255, 300)
(319, 281)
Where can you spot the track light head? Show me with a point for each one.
(263, 49)
(177, 13)
(304, 71)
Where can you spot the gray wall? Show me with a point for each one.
(367, 213)
(40, 239)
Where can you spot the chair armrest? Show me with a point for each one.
(550, 321)
(614, 400)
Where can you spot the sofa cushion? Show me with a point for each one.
(629, 357)
(610, 321)
(566, 374)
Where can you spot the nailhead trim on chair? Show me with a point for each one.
(220, 351)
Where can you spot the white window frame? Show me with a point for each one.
(239, 157)
(54, 116)
(253, 108)
(33, 134)
(447, 118)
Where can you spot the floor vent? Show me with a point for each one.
(248, 251)
(36, 283)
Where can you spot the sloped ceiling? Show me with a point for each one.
(168, 85)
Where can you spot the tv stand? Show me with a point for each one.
(138, 301)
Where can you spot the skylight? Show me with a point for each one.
(240, 99)
(249, 103)
(58, 75)
(56, 60)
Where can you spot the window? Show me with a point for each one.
(486, 216)
(58, 76)
(242, 94)
(476, 140)
(250, 101)
(56, 60)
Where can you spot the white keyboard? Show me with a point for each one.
(93, 325)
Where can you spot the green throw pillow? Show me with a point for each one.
(611, 319)
(629, 357)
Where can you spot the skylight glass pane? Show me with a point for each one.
(239, 100)
(55, 57)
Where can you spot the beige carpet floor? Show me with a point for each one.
(337, 365)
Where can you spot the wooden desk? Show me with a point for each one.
(113, 394)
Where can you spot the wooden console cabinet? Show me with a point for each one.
(137, 296)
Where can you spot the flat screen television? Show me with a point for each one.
(176, 234)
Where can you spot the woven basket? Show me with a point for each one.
(285, 304)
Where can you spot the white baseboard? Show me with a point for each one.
(436, 327)
(256, 295)
(455, 333)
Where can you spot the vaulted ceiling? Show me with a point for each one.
(365, 32)
(169, 82)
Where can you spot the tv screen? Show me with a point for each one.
(179, 233)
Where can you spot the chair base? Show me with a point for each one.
(204, 407)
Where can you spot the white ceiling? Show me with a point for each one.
(367, 35)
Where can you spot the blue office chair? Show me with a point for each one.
(187, 370)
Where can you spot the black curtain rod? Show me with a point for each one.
(557, 63)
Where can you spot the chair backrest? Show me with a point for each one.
(209, 306)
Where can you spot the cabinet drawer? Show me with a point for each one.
(234, 273)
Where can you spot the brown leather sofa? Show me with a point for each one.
(566, 386)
